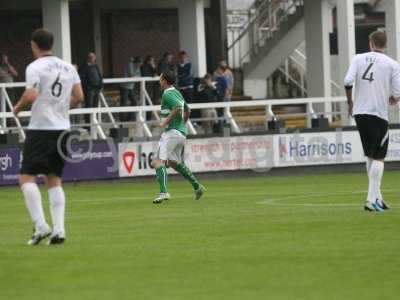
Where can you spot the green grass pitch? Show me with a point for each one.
(251, 238)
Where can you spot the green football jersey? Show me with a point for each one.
(171, 99)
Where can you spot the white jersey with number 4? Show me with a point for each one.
(374, 77)
(54, 79)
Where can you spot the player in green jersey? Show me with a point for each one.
(174, 114)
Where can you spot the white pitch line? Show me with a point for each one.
(319, 195)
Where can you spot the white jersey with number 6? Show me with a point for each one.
(375, 77)
(54, 79)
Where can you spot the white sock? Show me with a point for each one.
(57, 209)
(380, 197)
(369, 162)
(33, 201)
(375, 177)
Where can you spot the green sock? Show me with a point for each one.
(162, 178)
(188, 175)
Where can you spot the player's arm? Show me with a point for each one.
(348, 84)
(31, 92)
(175, 111)
(29, 96)
(393, 101)
(395, 98)
(186, 114)
(77, 91)
(349, 96)
(77, 95)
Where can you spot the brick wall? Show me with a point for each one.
(138, 33)
(125, 34)
(15, 32)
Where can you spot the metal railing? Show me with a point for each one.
(298, 60)
(97, 120)
(143, 126)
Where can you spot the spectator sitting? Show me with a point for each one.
(222, 88)
(224, 71)
(185, 77)
(166, 64)
(207, 92)
(92, 82)
(129, 92)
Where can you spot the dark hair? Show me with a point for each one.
(148, 58)
(182, 53)
(166, 54)
(378, 39)
(169, 77)
(43, 38)
(208, 76)
(137, 60)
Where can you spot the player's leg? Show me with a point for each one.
(378, 165)
(182, 169)
(162, 177)
(177, 163)
(374, 134)
(34, 163)
(367, 130)
(33, 202)
(159, 164)
(57, 208)
(375, 177)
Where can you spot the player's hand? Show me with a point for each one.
(16, 110)
(163, 125)
(393, 101)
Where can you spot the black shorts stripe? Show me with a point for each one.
(374, 134)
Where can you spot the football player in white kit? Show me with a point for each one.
(375, 79)
(53, 86)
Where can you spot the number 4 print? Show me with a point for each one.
(369, 76)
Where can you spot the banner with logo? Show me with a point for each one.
(135, 158)
(394, 145)
(105, 159)
(202, 155)
(87, 161)
(317, 148)
(10, 160)
(91, 161)
(230, 153)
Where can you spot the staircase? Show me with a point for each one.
(273, 30)
(263, 45)
(270, 40)
(268, 44)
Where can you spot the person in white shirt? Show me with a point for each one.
(375, 80)
(52, 88)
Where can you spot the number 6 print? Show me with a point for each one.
(56, 87)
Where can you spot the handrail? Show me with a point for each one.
(105, 81)
(250, 22)
(304, 57)
(140, 111)
(194, 106)
(262, 25)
